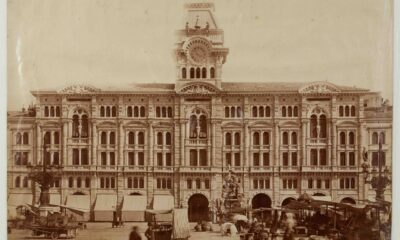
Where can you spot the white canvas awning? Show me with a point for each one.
(323, 198)
(55, 199)
(106, 203)
(163, 202)
(134, 203)
(16, 199)
(78, 202)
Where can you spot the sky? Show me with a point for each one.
(53, 44)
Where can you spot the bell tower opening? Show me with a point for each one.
(200, 53)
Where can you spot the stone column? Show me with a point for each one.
(304, 161)
(247, 136)
(38, 144)
(64, 159)
(121, 141)
(277, 145)
(334, 144)
(95, 142)
(213, 149)
(150, 145)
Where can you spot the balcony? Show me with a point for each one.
(317, 140)
(316, 168)
(188, 169)
(107, 168)
(167, 169)
(347, 168)
(79, 140)
(260, 147)
(289, 168)
(78, 168)
(132, 168)
(196, 142)
(231, 147)
(256, 169)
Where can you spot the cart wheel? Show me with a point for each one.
(54, 235)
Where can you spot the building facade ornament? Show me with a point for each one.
(319, 87)
(79, 89)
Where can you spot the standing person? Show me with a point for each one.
(134, 234)
(149, 231)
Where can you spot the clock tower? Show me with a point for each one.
(200, 51)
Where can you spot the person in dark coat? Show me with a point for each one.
(134, 234)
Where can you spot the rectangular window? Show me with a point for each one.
(203, 157)
(285, 159)
(352, 159)
(310, 183)
(342, 159)
(228, 159)
(294, 183)
(256, 159)
(375, 158)
(255, 184)
(131, 158)
(112, 158)
(159, 159)
(103, 158)
(262, 184)
(207, 184)
(168, 159)
(266, 159)
(267, 184)
(193, 157)
(141, 158)
(84, 156)
(294, 158)
(237, 159)
(327, 184)
(314, 157)
(341, 183)
(284, 182)
(75, 156)
(322, 157)
(319, 183)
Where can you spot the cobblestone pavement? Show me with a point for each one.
(104, 231)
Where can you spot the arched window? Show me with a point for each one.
(198, 74)
(131, 138)
(207, 183)
(382, 137)
(314, 156)
(87, 182)
(191, 72)
(261, 111)
(158, 112)
(102, 185)
(85, 126)
(283, 111)
(52, 113)
(342, 137)
(267, 111)
(237, 139)
(102, 112)
(184, 73)
(112, 137)
(112, 182)
(351, 138)
(189, 183)
(114, 111)
(285, 138)
(70, 182)
(142, 111)
(294, 138)
(198, 183)
(204, 73)
(159, 138)
(141, 138)
(212, 72)
(353, 111)
(47, 137)
(18, 158)
(266, 138)
(322, 125)
(136, 111)
(46, 111)
(18, 182)
(313, 126)
(347, 111)
(340, 111)
(256, 138)
(75, 126)
(374, 138)
(103, 138)
(170, 112)
(255, 111)
(25, 138)
(168, 138)
(295, 111)
(58, 112)
(239, 112)
(18, 138)
(169, 183)
(228, 139)
(322, 157)
(233, 112)
(193, 126)
(25, 182)
(164, 112)
(226, 112)
(289, 111)
(78, 182)
(56, 138)
(108, 111)
(203, 126)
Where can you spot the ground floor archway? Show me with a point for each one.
(198, 208)
(348, 200)
(261, 200)
(287, 201)
(319, 194)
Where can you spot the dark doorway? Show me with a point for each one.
(348, 200)
(319, 194)
(198, 208)
(261, 200)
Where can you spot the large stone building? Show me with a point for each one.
(172, 144)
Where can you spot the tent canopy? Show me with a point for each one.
(106, 203)
(134, 203)
(19, 199)
(163, 202)
(78, 202)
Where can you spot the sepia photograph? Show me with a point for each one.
(231, 119)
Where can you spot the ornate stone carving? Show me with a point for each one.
(79, 89)
(198, 89)
(319, 87)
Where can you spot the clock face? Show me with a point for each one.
(198, 53)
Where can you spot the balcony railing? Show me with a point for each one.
(261, 169)
(197, 141)
(317, 140)
(316, 168)
(289, 168)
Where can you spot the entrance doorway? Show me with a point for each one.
(287, 201)
(198, 208)
(348, 200)
(261, 200)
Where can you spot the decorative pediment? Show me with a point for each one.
(198, 89)
(79, 88)
(319, 87)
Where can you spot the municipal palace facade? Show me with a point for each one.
(158, 146)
